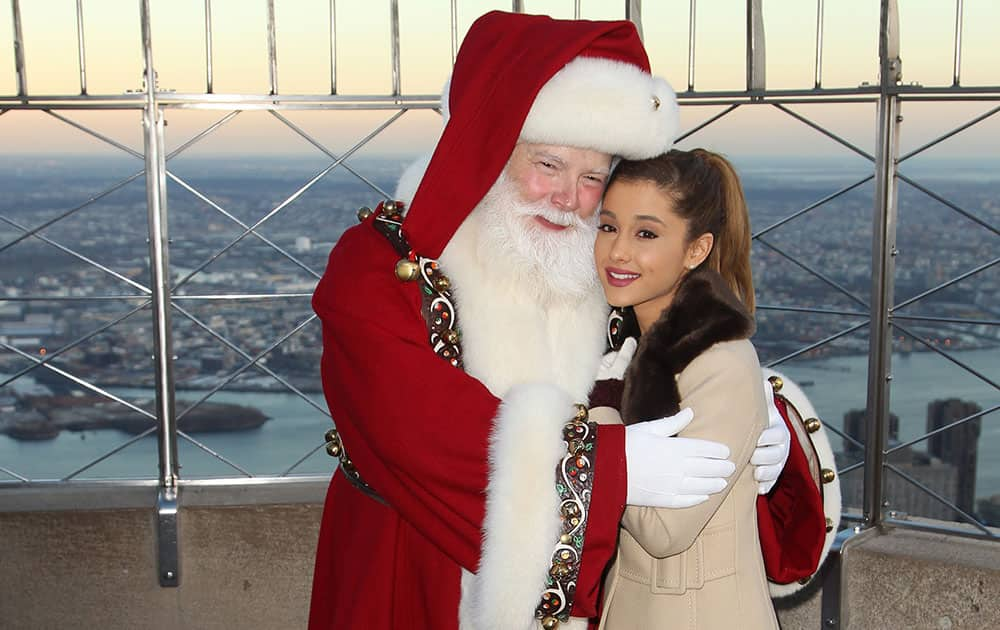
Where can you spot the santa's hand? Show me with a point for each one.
(769, 457)
(673, 472)
(613, 364)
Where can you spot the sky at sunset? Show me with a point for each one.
(114, 65)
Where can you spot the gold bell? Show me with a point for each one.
(581, 413)
(776, 383)
(364, 212)
(441, 283)
(333, 446)
(550, 622)
(407, 270)
(564, 539)
(389, 207)
(812, 425)
(451, 337)
(827, 475)
(829, 524)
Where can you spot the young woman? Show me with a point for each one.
(673, 254)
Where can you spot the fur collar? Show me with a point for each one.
(704, 312)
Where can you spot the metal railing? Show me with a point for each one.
(161, 300)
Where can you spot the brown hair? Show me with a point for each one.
(707, 194)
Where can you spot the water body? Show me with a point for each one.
(838, 385)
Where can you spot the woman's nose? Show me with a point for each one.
(619, 251)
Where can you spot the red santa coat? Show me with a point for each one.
(419, 430)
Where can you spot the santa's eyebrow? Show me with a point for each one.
(548, 157)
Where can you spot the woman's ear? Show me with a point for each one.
(698, 250)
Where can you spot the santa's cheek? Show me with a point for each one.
(588, 204)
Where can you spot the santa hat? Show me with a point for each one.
(575, 83)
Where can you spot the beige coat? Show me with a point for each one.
(701, 567)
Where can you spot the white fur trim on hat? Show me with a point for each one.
(832, 504)
(605, 105)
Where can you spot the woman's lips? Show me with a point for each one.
(619, 277)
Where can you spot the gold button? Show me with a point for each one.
(827, 475)
(776, 383)
(829, 524)
(812, 425)
(364, 212)
(407, 270)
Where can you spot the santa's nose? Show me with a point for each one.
(565, 197)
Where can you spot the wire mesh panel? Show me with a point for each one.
(277, 119)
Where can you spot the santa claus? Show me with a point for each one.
(463, 328)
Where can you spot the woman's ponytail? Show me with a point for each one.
(730, 255)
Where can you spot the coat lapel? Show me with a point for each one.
(704, 312)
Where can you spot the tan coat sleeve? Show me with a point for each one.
(724, 387)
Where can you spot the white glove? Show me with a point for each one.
(772, 449)
(672, 472)
(613, 364)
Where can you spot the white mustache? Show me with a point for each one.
(550, 214)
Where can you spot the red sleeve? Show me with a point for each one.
(790, 519)
(606, 509)
(397, 405)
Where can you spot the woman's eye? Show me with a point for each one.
(646, 234)
(604, 227)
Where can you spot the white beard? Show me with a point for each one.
(557, 265)
(532, 317)
(530, 306)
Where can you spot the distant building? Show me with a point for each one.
(11, 311)
(854, 427)
(212, 363)
(303, 244)
(29, 333)
(957, 446)
(948, 468)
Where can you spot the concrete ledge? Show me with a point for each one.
(120, 494)
(244, 567)
(920, 580)
(246, 561)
